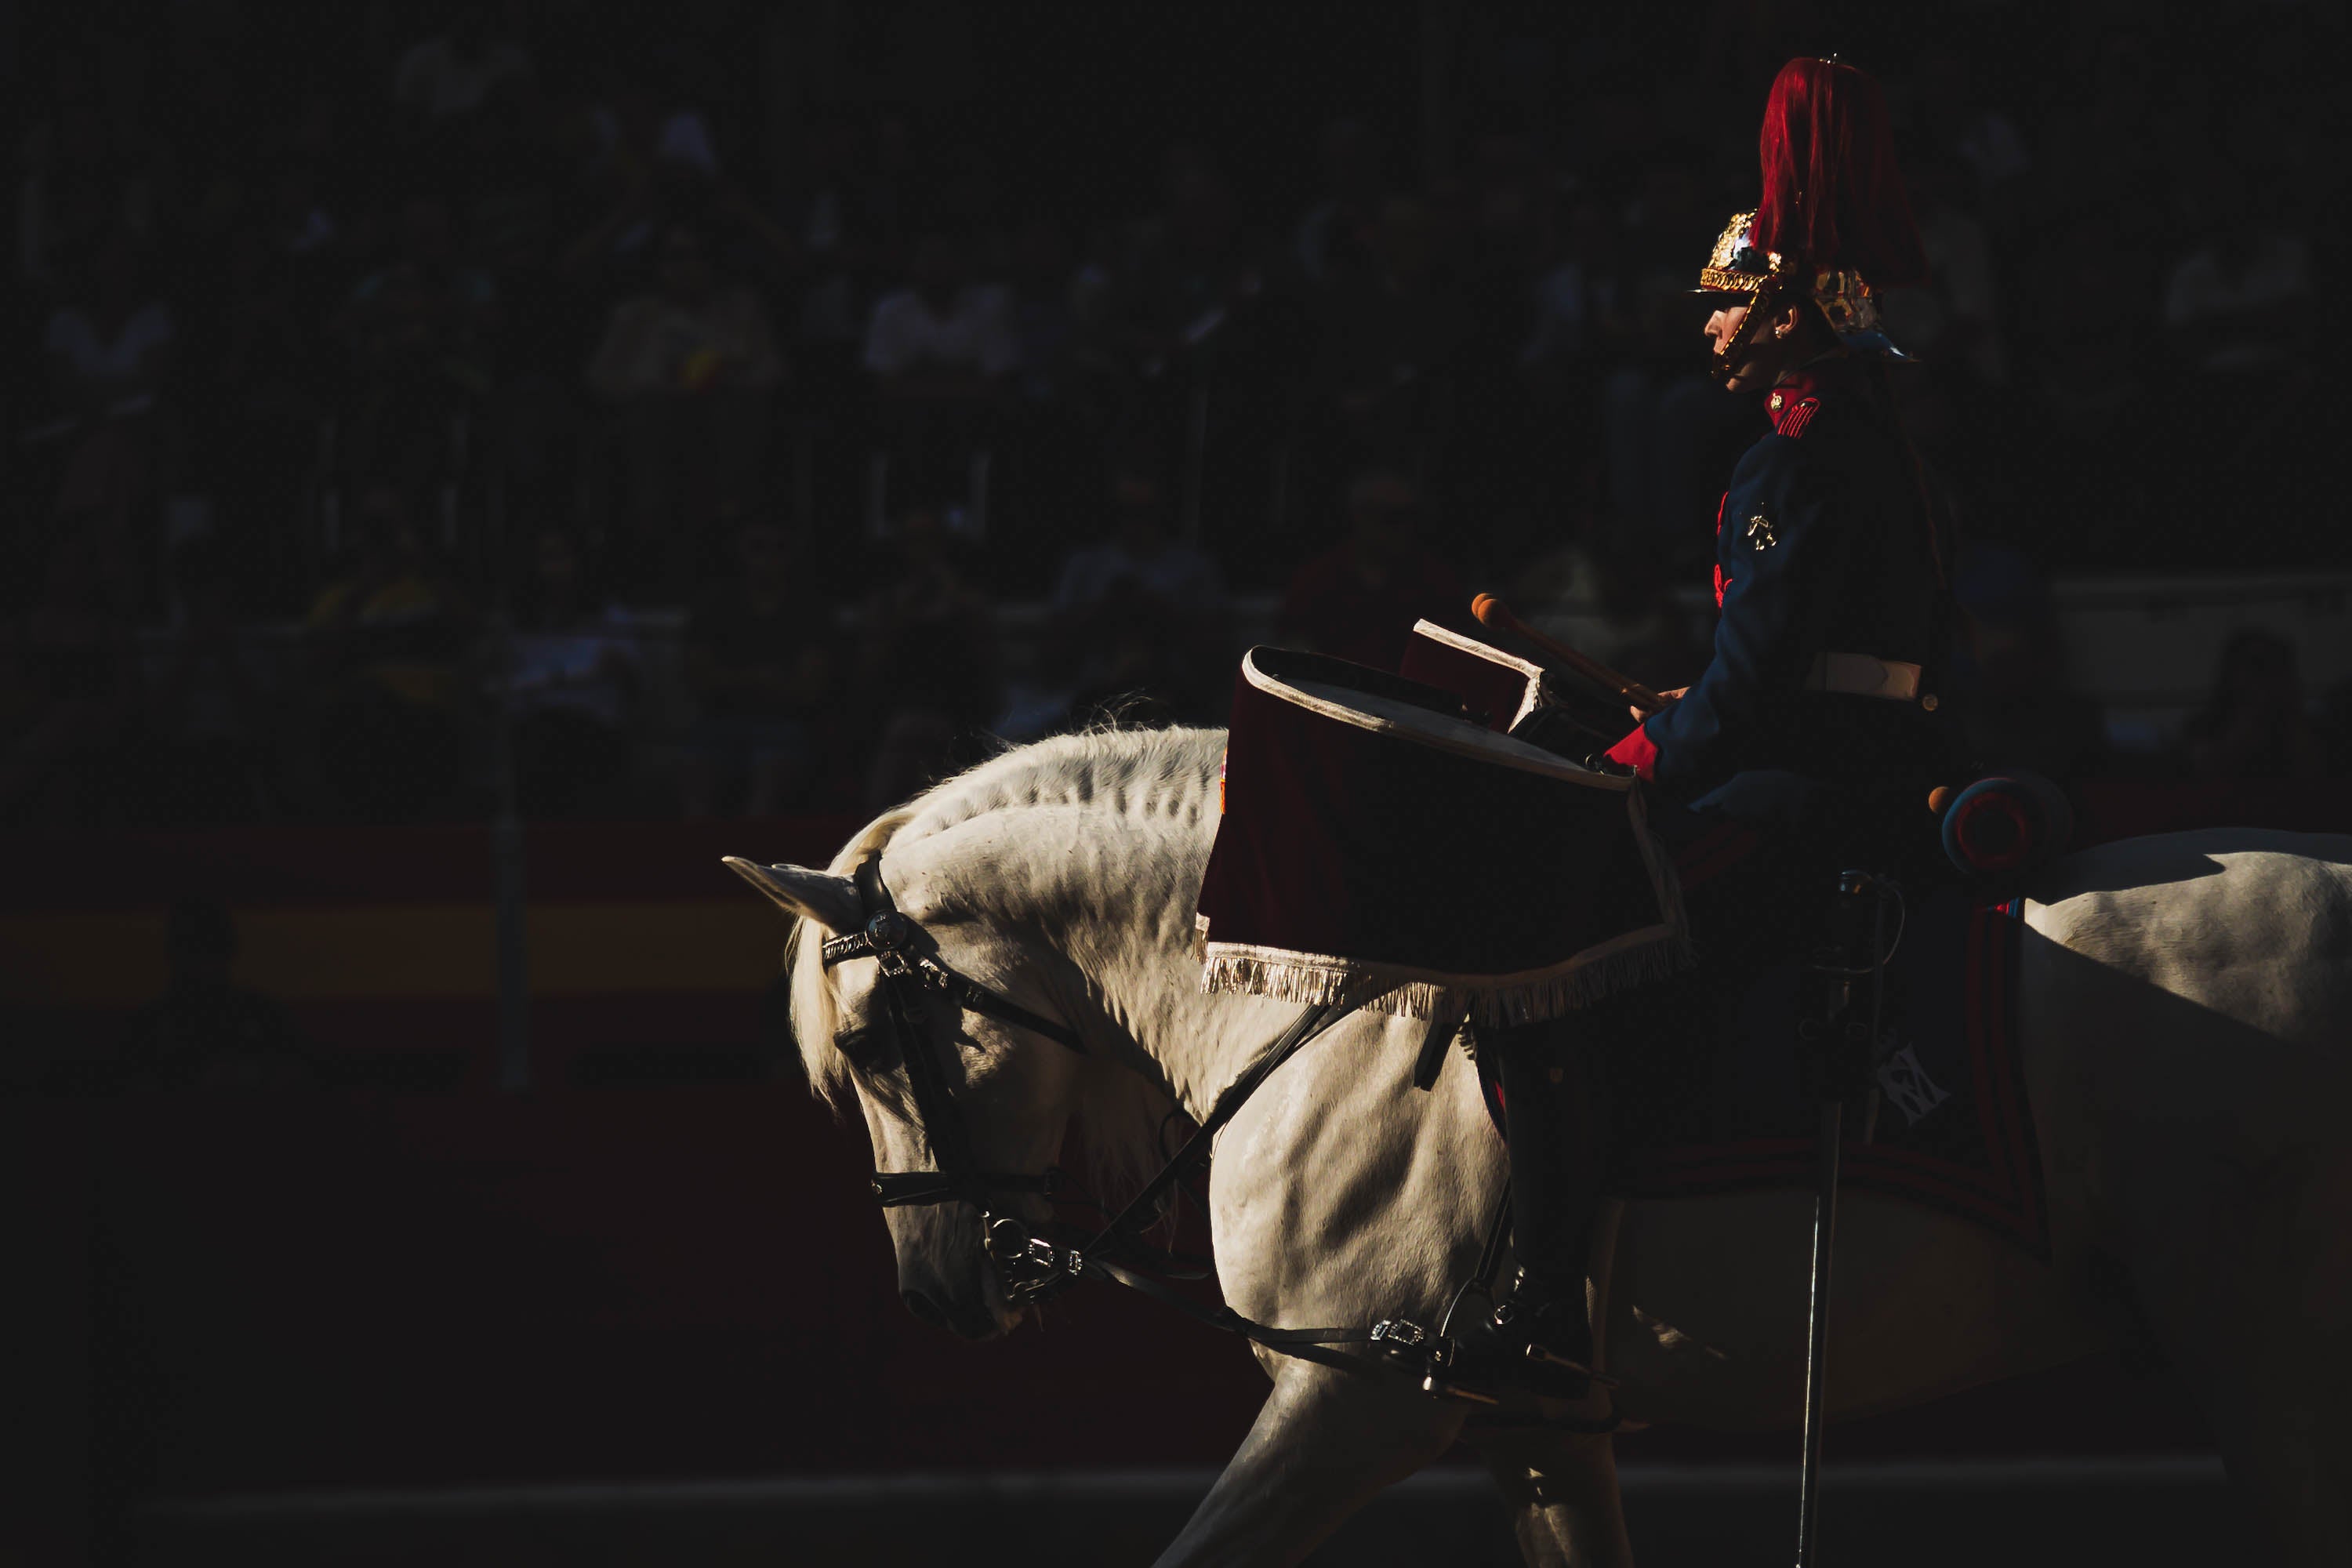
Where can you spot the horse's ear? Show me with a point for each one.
(819, 896)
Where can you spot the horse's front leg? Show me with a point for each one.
(1323, 1442)
(1561, 1489)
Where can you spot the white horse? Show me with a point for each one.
(2187, 1031)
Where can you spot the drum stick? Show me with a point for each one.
(1496, 615)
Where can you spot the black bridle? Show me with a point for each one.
(907, 974)
(1034, 1266)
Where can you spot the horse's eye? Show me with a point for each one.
(860, 1044)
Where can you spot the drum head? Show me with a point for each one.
(1403, 709)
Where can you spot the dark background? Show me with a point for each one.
(385, 396)
(456, 452)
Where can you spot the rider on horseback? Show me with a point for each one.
(1811, 739)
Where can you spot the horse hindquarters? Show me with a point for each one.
(2260, 1321)
(2246, 1279)
(2191, 1048)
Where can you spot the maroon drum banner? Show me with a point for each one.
(1497, 688)
(1380, 845)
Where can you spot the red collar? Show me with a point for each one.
(1795, 396)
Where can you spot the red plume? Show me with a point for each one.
(1833, 195)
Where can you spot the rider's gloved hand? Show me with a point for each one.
(1676, 695)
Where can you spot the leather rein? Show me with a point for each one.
(1034, 1266)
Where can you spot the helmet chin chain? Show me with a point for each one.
(1732, 352)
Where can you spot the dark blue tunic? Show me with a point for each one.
(1823, 545)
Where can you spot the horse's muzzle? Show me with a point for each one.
(965, 1321)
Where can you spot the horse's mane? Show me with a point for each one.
(1164, 774)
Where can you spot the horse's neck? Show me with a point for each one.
(1097, 862)
(1196, 1045)
(1145, 981)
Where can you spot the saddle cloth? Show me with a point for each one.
(1374, 840)
(1728, 1113)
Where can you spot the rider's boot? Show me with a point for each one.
(1539, 1337)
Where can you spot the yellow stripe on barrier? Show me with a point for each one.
(118, 959)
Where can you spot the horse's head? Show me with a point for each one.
(1007, 1090)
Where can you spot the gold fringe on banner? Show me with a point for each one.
(1635, 958)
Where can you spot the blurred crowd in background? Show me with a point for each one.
(714, 409)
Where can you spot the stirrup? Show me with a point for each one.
(1487, 1369)
(1518, 1397)
(1517, 1324)
(1443, 1385)
(1544, 1355)
(1436, 1354)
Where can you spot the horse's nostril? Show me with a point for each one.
(965, 1321)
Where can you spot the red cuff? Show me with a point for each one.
(1636, 751)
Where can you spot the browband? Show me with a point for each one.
(888, 931)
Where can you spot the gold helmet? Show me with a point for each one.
(1833, 208)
